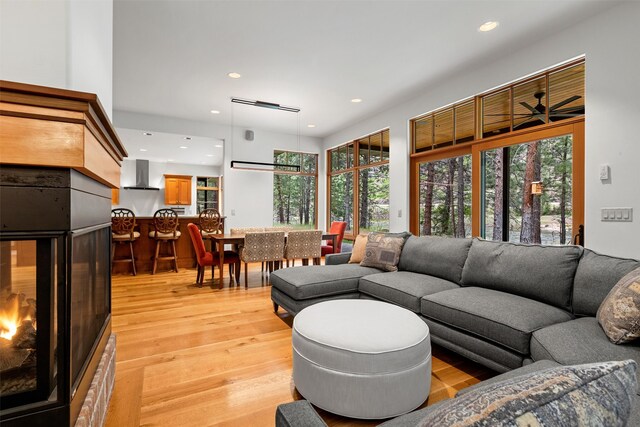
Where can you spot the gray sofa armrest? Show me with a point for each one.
(335, 259)
(298, 414)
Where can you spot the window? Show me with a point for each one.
(445, 197)
(527, 192)
(295, 193)
(208, 192)
(505, 165)
(359, 184)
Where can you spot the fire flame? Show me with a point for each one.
(11, 318)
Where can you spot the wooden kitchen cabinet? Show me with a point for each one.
(115, 196)
(177, 190)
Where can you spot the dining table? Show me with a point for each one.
(237, 240)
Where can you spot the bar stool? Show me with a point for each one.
(123, 221)
(165, 223)
(210, 222)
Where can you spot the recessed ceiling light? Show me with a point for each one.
(234, 75)
(209, 155)
(356, 100)
(311, 125)
(183, 146)
(218, 145)
(143, 149)
(215, 112)
(147, 133)
(169, 160)
(488, 26)
(188, 138)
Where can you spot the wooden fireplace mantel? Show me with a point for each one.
(43, 126)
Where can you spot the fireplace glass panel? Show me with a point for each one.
(90, 294)
(28, 326)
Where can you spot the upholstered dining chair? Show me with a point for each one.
(123, 222)
(206, 258)
(305, 245)
(337, 227)
(245, 230)
(165, 224)
(267, 247)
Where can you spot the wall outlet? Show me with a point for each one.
(233, 212)
(399, 213)
(616, 214)
(604, 172)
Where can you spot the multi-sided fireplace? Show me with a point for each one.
(59, 156)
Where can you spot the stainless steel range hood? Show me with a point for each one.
(142, 176)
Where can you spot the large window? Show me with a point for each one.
(445, 197)
(295, 193)
(504, 165)
(358, 184)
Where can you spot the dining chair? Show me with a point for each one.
(123, 222)
(267, 247)
(305, 245)
(246, 230)
(206, 258)
(337, 227)
(165, 224)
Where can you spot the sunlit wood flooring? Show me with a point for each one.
(190, 356)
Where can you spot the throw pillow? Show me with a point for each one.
(619, 313)
(357, 253)
(595, 394)
(383, 250)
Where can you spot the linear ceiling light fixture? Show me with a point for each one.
(265, 166)
(264, 104)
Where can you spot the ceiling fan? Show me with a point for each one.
(556, 112)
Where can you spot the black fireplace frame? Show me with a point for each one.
(40, 202)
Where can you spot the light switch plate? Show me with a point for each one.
(604, 172)
(616, 214)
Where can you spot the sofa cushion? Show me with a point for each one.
(441, 257)
(579, 341)
(595, 276)
(554, 397)
(319, 280)
(543, 273)
(619, 313)
(497, 316)
(403, 287)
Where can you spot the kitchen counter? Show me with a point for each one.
(144, 248)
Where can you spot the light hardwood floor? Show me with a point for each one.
(189, 356)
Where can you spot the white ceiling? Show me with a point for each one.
(165, 147)
(171, 58)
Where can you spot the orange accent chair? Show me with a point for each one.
(337, 227)
(206, 258)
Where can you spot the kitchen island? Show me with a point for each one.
(144, 248)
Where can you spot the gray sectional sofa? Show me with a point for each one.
(500, 304)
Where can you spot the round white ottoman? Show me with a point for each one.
(361, 358)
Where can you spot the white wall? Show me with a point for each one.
(64, 43)
(609, 42)
(146, 202)
(248, 195)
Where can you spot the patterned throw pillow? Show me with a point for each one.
(357, 253)
(619, 313)
(383, 250)
(597, 394)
